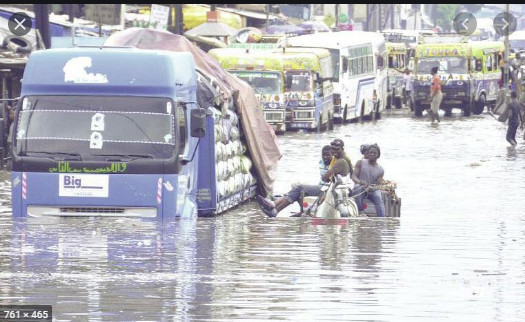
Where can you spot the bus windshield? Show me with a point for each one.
(298, 81)
(262, 82)
(88, 126)
(448, 65)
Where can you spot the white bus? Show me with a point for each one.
(360, 74)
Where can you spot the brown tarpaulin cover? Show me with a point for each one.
(260, 137)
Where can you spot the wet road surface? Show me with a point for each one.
(455, 254)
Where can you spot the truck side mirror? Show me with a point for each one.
(198, 123)
(2, 133)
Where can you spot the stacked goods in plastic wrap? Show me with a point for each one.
(235, 181)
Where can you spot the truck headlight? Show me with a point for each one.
(303, 103)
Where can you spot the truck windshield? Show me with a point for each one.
(298, 81)
(447, 65)
(91, 126)
(262, 82)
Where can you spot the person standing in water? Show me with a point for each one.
(436, 96)
(515, 118)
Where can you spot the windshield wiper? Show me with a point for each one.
(59, 156)
(124, 157)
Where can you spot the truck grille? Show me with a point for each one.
(80, 211)
(274, 116)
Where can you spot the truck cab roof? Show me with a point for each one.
(94, 71)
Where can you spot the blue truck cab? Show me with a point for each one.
(112, 132)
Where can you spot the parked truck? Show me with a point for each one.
(121, 132)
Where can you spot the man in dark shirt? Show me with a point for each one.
(515, 118)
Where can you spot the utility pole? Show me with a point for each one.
(506, 56)
(336, 16)
(415, 16)
(380, 18)
(267, 16)
(392, 16)
(179, 22)
(42, 23)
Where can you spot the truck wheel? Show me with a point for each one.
(389, 101)
(377, 113)
(398, 102)
(418, 109)
(467, 108)
(320, 124)
(448, 111)
(330, 125)
(480, 105)
(344, 115)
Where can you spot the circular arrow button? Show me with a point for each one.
(505, 24)
(465, 24)
(19, 24)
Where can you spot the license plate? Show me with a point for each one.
(301, 125)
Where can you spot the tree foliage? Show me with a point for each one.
(446, 12)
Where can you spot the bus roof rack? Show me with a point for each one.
(443, 38)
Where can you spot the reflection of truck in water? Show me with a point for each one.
(119, 132)
(469, 73)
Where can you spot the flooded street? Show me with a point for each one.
(456, 253)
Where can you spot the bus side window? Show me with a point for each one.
(488, 63)
(477, 65)
(354, 66)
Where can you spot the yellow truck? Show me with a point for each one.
(397, 63)
(264, 73)
(308, 87)
(301, 92)
(469, 73)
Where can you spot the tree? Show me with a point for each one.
(445, 14)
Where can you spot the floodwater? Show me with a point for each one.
(455, 254)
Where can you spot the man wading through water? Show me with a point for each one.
(515, 118)
(435, 95)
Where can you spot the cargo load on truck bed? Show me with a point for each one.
(260, 137)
